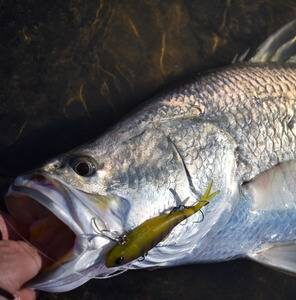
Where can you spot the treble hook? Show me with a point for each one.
(203, 216)
(105, 233)
(141, 258)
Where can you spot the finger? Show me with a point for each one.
(20, 261)
(26, 294)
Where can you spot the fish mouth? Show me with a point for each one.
(56, 220)
(37, 224)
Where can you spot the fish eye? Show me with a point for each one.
(119, 260)
(83, 166)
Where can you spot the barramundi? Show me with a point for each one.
(235, 126)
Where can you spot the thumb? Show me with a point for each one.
(19, 262)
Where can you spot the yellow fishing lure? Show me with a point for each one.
(147, 235)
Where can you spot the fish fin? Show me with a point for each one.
(273, 189)
(282, 257)
(240, 58)
(279, 47)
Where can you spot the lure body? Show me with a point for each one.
(147, 235)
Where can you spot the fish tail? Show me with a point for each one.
(205, 198)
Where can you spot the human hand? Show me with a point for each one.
(19, 262)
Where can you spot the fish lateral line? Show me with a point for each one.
(137, 242)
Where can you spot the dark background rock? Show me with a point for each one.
(70, 69)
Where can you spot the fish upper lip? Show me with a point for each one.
(55, 196)
(27, 186)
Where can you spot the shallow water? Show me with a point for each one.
(70, 69)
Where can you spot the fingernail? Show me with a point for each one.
(17, 296)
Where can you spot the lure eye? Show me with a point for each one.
(83, 166)
(119, 260)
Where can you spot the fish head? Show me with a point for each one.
(103, 190)
(65, 209)
(86, 199)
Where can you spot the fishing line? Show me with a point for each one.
(59, 264)
(27, 241)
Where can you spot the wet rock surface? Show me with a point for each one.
(70, 69)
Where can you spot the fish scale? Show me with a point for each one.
(248, 91)
(262, 119)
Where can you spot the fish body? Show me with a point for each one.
(235, 126)
(147, 235)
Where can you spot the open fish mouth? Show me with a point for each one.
(51, 233)
(57, 220)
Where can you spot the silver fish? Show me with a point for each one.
(235, 126)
